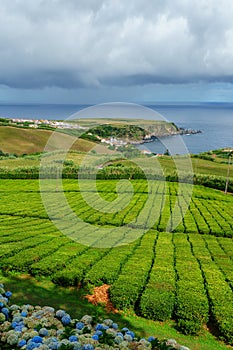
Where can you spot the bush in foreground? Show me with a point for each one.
(30, 327)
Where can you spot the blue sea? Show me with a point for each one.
(215, 120)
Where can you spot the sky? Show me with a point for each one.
(93, 51)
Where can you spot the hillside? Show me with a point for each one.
(25, 141)
(129, 129)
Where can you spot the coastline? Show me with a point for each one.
(153, 138)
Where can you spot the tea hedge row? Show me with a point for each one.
(223, 261)
(158, 299)
(191, 301)
(219, 291)
(126, 290)
(107, 269)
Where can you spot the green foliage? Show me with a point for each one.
(67, 332)
(157, 301)
(114, 171)
(90, 137)
(204, 156)
(108, 268)
(191, 300)
(66, 347)
(106, 338)
(119, 131)
(74, 272)
(126, 289)
(142, 273)
(219, 291)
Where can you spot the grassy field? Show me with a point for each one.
(25, 141)
(159, 273)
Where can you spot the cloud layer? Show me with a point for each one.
(92, 43)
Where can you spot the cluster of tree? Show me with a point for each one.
(7, 155)
(132, 132)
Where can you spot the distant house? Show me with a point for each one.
(145, 151)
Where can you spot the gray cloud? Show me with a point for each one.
(70, 43)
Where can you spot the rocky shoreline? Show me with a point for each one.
(152, 138)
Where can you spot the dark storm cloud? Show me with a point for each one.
(70, 43)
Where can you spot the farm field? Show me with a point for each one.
(200, 166)
(185, 274)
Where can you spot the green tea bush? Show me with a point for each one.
(157, 301)
(192, 307)
(126, 290)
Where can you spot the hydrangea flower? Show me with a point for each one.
(19, 328)
(43, 332)
(73, 338)
(144, 342)
(98, 333)
(17, 319)
(118, 339)
(120, 334)
(8, 294)
(22, 342)
(31, 345)
(52, 343)
(77, 346)
(66, 319)
(79, 325)
(14, 307)
(12, 339)
(115, 326)
(130, 333)
(60, 313)
(95, 337)
(88, 347)
(5, 311)
(151, 338)
(49, 309)
(99, 327)
(24, 313)
(37, 339)
(171, 342)
(108, 322)
(128, 337)
(86, 319)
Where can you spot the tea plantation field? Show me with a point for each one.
(181, 268)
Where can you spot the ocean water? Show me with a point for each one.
(215, 120)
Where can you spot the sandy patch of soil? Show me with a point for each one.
(101, 296)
